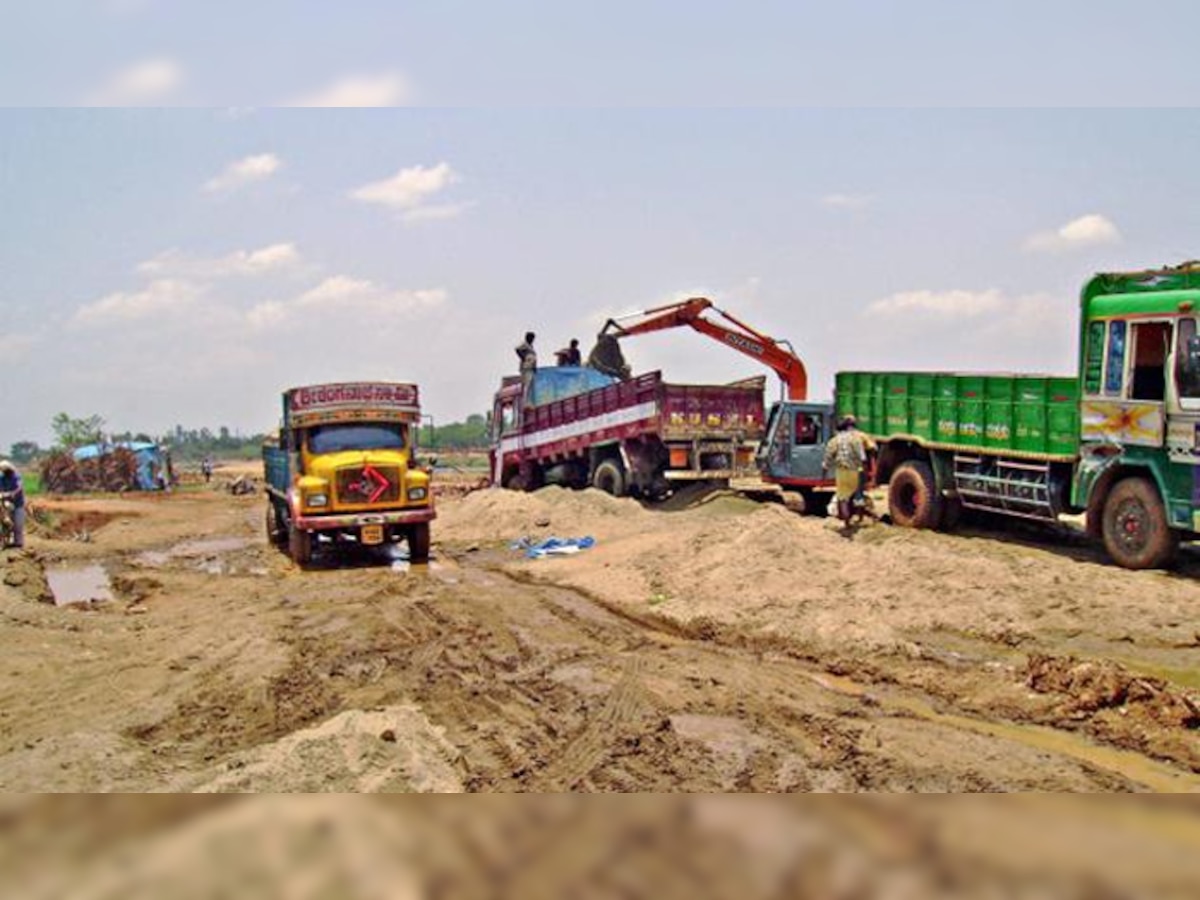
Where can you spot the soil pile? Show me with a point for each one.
(505, 516)
(23, 573)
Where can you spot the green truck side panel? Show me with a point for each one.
(1030, 415)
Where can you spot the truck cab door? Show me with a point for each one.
(811, 427)
(795, 445)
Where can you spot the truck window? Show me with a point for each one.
(337, 438)
(1187, 360)
(808, 429)
(1114, 380)
(508, 417)
(1094, 362)
(1148, 376)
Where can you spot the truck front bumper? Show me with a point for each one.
(334, 522)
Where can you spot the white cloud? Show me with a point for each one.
(1092, 230)
(342, 295)
(243, 172)
(942, 304)
(164, 297)
(177, 264)
(409, 188)
(145, 83)
(847, 201)
(386, 89)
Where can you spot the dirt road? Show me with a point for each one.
(711, 645)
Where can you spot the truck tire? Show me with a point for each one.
(952, 513)
(275, 532)
(300, 546)
(816, 503)
(913, 496)
(1137, 534)
(418, 543)
(610, 478)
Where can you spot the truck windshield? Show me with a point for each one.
(336, 438)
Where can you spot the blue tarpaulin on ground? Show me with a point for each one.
(150, 458)
(553, 546)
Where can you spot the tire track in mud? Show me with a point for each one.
(619, 715)
(833, 738)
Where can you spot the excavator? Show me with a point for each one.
(791, 455)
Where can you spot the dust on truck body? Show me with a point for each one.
(1119, 441)
(578, 427)
(343, 469)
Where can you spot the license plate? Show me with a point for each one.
(372, 534)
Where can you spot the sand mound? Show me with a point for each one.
(500, 515)
(23, 572)
(393, 750)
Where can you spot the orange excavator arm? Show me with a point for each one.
(722, 327)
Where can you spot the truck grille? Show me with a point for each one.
(362, 485)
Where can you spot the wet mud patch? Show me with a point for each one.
(1132, 711)
(24, 573)
(64, 524)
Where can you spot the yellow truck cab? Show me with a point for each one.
(343, 470)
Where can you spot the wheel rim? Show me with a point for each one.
(907, 500)
(1132, 525)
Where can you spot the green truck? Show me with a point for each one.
(1118, 442)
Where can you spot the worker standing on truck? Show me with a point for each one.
(528, 357)
(569, 355)
(12, 490)
(846, 456)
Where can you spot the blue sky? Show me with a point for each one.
(876, 181)
(163, 266)
(539, 53)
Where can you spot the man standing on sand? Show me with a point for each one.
(12, 489)
(528, 357)
(846, 456)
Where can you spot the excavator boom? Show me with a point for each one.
(722, 327)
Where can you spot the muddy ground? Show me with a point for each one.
(713, 644)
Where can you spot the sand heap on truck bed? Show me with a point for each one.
(500, 515)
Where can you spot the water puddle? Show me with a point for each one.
(206, 555)
(89, 584)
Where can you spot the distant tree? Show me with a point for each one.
(23, 452)
(71, 432)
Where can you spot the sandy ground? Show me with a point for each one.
(714, 644)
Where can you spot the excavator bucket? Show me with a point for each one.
(607, 357)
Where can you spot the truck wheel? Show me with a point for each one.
(418, 543)
(300, 546)
(275, 532)
(952, 513)
(1137, 534)
(913, 496)
(610, 478)
(816, 503)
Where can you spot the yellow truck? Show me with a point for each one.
(343, 470)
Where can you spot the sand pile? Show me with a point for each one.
(392, 751)
(23, 573)
(500, 515)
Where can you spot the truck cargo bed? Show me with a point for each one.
(1028, 416)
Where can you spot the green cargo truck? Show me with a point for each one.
(1120, 441)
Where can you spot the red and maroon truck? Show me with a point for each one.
(578, 427)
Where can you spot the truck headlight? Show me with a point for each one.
(417, 493)
(316, 500)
